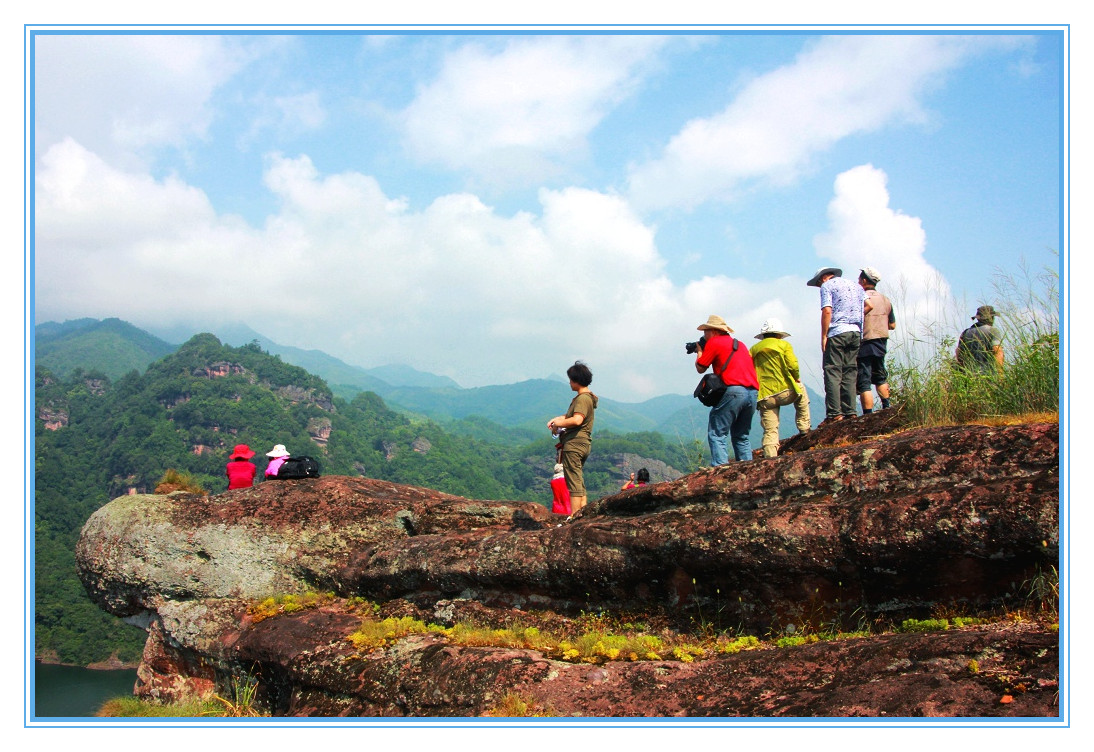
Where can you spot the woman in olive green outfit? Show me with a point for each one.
(575, 433)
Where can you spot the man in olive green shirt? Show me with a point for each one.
(780, 383)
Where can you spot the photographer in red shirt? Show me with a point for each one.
(732, 416)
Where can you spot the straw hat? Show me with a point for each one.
(717, 323)
(278, 451)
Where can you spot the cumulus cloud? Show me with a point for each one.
(109, 238)
(523, 111)
(455, 288)
(837, 87)
(864, 230)
(121, 95)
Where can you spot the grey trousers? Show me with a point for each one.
(840, 374)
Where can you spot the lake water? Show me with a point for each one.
(73, 692)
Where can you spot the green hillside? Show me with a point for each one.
(112, 347)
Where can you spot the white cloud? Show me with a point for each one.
(838, 87)
(524, 111)
(456, 288)
(107, 238)
(288, 115)
(303, 111)
(120, 95)
(865, 231)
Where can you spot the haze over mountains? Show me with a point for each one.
(116, 347)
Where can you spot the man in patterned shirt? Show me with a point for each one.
(843, 304)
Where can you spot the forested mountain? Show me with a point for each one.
(110, 346)
(417, 394)
(97, 438)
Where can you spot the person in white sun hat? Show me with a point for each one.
(277, 457)
(780, 383)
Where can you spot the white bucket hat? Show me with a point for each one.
(773, 326)
(278, 451)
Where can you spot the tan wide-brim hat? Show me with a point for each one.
(717, 323)
(816, 280)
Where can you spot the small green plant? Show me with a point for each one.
(688, 653)
(794, 640)
(730, 646)
(286, 604)
(966, 621)
(693, 450)
(1041, 592)
(373, 635)
(242, 702)
(924, 625)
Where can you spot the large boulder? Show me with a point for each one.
(868, 530)
(277, 537)
(896, 525)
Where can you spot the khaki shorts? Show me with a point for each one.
(573, 466)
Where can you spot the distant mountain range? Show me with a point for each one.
(115, 347)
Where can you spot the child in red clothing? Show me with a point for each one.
(561, 494)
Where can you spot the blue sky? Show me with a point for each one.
(493, 206)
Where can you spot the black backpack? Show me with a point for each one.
(298, 467)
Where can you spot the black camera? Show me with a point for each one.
(691, 348)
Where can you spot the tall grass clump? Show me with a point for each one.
(932, 389)
(179, 480)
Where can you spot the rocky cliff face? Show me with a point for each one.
(843, 531)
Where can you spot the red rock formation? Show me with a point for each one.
(954, 673)
(897, 526)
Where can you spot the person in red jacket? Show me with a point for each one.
(240, 470)
(731, 419)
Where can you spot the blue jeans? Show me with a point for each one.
(732, 417)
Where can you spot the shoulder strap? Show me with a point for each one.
(725, 363)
